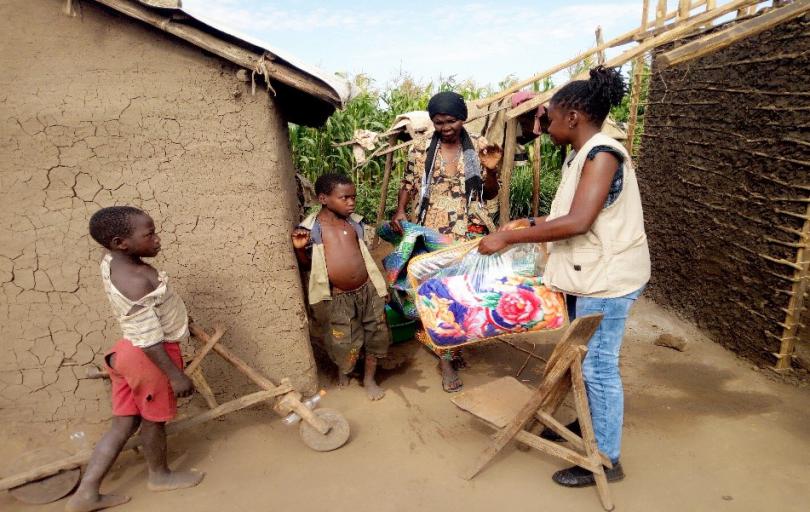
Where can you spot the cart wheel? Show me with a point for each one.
(334, 439)
(50, 488)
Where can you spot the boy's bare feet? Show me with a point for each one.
(343, 380)
(81, 502)
(373, 391)
(173, 480)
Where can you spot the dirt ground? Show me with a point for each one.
(704, 431)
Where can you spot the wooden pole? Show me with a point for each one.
(536, 170)
(234, 53)
(502, 438)
(645, 14)
(664, 38)
(683, 9)
(507, 164)
(259, 379)
(635, 92)
(742, 30)
(796, 304)
(600, 55)
(389, 165)
(711, 4)
(660, 13)
(625, 38)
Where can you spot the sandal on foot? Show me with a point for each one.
(580, 477)
(452, 385)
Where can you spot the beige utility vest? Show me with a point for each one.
(612, 259)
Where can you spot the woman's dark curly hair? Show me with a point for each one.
(594, 96)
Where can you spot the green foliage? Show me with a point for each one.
(520, 192)
(314, 151)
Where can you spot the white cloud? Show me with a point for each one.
(475, 40)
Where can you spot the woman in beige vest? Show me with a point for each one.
(599, 255)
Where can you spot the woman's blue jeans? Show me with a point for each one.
(601, 366)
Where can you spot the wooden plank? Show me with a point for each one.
(796, 304)
(389, 165)
(507, 165)
(588, 436)
(552, 423)
(503, 437)
(556, 450)
(496, 402)
(221, 410)
(234, 53)
(536, 170)
(724, 38)
(664, 38)
(578, 333)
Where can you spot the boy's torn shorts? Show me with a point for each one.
(350, 321)
(139, 387)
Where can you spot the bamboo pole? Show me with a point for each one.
(796, 304)
(683, 9)
(661, 39)
(507, 164)
(536, 170)
(635, 93)
(389, 164)
(234, 53)
(600, 55)
(724, 38)
(623, 39)
(660, 13)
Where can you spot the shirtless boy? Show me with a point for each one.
(145, 366)
(346, 289)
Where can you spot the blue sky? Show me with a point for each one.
(485, 41)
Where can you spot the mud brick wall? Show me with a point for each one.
(97, 110)
(724, 162)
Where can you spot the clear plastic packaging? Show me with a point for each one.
(463, 297)
(310, 403)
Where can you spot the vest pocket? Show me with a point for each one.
(581, 271)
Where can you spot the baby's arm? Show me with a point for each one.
(301, 244)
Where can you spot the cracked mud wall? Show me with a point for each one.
(97, 110)
(724, 168)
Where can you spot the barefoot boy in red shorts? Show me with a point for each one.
(145, 367)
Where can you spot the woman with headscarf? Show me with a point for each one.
(448, 175)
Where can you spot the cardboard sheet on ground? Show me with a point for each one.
(463, 297)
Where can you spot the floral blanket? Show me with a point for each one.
(414, 241)
(463, 297)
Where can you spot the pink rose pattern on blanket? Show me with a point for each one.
(454, 312)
